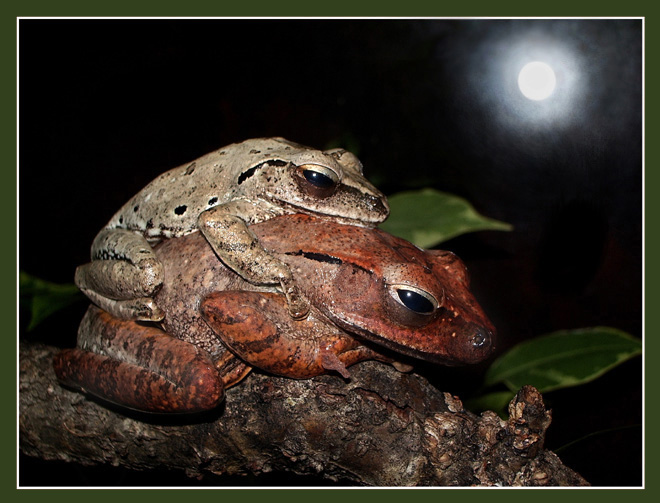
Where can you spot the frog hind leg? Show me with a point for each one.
(123, 275)
(257, 327)
(139, 367)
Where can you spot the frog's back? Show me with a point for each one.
(170, 204)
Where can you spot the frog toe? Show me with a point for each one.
(140, 309)
(298, 304)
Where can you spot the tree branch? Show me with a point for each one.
(380, 428)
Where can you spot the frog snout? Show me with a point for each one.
(480, 343)
(377, 206)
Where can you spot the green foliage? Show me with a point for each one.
(427, 217)
(562, 359)
(558, 360)
(43, 298)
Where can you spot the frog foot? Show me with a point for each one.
(145, 309)
(402, 367)
(141, 309)
(330, 361)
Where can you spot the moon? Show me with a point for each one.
(537, 80)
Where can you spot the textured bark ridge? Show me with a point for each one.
(378, 428)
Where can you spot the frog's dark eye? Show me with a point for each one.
(318, 179)
(321, 181)
(415, 299)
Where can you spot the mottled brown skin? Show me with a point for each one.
(347, 272)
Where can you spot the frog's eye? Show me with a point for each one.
(320, 180)
(415, 299)
(323, 179)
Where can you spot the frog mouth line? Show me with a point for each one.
(440, 358)
(318, 214)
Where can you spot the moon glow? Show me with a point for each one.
(537, 80)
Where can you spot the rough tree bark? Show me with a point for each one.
(380, 428)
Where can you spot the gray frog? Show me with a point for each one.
(220, 194)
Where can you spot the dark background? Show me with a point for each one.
(106, 105)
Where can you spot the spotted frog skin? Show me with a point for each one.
(373, 296)
(220, 194)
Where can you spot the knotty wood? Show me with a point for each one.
(379, 428)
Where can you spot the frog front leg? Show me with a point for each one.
(240, 250)
(123, 275)
(139, 367)
(256, 327)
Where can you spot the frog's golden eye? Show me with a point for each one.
(415, 299)
(320, 180)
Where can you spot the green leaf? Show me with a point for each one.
(496, 401)
(44, 298)
(427, 217)
(563, 359)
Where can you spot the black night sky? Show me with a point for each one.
(106, 105)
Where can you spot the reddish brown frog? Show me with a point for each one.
(365, 287)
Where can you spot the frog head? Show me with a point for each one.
(384, 289)
(305, 180)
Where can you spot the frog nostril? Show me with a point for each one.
(481, 339)
(378, 204)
